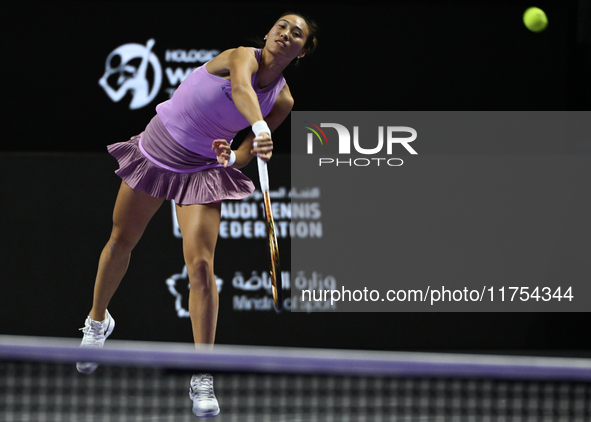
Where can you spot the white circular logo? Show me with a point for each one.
(132, 76)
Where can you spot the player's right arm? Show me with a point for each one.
(238, 65)
(246, 151)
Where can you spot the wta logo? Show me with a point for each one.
(126, 70)
(134, 70)
(389, 136)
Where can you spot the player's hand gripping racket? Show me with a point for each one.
(272, 237)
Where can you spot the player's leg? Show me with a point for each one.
(199, 225)
(133, 211)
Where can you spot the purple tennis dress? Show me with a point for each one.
(173, 158)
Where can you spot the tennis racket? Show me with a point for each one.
(274, 266)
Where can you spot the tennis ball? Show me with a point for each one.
(535, 19)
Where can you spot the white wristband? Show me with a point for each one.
(232, 159)
(260, 127)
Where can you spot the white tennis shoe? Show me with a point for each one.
(95, 334)
(205, 405)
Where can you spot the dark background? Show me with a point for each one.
(57, 181)
(397, 55)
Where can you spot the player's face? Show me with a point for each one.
(288, 36)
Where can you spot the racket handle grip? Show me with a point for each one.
(263, 175)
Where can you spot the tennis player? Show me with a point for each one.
(185, 154)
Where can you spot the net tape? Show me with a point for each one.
(297, 360)
(142, 381)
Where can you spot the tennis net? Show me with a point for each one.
(140, 381)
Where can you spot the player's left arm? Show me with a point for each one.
(246, 151)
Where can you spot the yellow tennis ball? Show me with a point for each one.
(535, 19)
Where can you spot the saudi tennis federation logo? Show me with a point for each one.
(388, 136)
(129, 68)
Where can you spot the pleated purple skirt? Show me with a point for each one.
(161, 167)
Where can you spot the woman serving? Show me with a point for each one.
(185, 154)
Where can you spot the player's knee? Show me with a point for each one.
(200, 270)
(120, 245)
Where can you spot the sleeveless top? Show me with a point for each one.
(202, 109)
